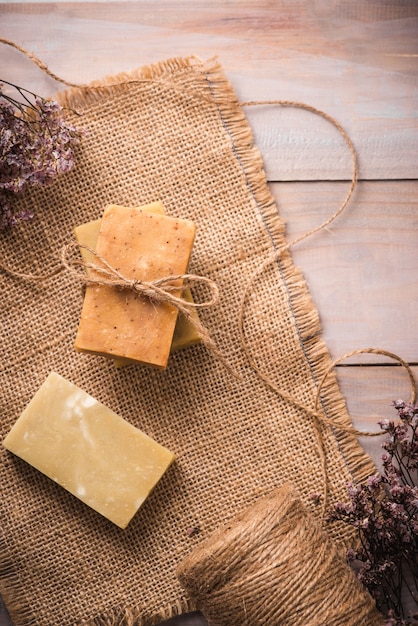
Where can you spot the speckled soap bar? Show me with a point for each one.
(185, 333)
(88, 449)
(119, 323)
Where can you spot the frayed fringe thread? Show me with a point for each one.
(11, 590)
(134, 616)
(185, 82)
(304, 311)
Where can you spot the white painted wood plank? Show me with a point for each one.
(353, 60)
(362, 270)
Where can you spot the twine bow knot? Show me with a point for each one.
(161, 290)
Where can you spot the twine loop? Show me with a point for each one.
(159, 290)
(379, 351)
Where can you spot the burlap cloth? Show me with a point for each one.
(182, 138)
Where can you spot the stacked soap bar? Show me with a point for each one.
(118, 323)
(185, 333)
(91, 451)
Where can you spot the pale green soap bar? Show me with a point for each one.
(88, 449)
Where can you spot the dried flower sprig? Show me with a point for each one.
(384, 510)
(36, 145)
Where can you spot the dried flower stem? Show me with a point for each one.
(385, 512)
(36, 145)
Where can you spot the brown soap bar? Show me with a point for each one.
(185, 333)
(119, 322)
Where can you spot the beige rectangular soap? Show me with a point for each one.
(120, 323)
(185, 333)
(88, 449)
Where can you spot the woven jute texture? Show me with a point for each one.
(288, 572)
(173, 132)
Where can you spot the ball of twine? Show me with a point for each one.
(272, 565)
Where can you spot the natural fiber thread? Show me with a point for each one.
(42, 66)
(380, 352)
(354, 177)
(318, 417)
(321, 417)
(137, 616)
(31, 277)
(158, 290)
(273, 565)
(99, 87)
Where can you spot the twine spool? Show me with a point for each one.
(274, 565)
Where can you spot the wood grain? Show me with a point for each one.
(356, 61)
(369, 393)
(361, 270)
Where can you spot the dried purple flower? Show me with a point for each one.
(384, 509)
(36, 145)
(315, 497)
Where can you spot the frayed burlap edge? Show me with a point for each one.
(76, 98)
(358, 463)
(217, 88)
(11, 589)
(303, 309)
(133, 616)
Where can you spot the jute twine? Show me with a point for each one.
(158, 291)
(273, 565)
(320, 419)
(161, 291)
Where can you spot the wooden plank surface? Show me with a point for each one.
(357, 61)
(369, 393)
(362, 269)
